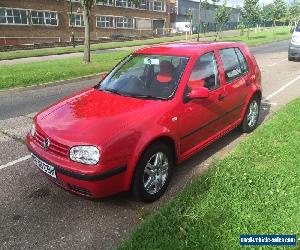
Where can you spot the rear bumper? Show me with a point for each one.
(96, 185)
(294, 51)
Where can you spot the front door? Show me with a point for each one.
(199, 117)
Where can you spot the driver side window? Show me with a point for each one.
(205, 72)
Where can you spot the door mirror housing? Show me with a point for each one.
(199, 93)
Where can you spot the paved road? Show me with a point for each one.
(35, 214)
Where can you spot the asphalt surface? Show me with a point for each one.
(35, 214)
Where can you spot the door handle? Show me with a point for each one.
(221, 97)
(248, 82)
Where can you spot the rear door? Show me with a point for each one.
(235, 75)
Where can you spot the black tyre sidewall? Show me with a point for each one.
(138, 189)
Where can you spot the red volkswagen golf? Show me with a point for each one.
(156, 108)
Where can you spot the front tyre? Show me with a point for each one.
(250, 120)
(153, 173)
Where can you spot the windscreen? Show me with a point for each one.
(146, 76)
(298, 27)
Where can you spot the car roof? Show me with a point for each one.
(185, 48)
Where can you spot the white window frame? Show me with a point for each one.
(128, 4)
(98, 20)
(163, 6)
(106, 3)
(44, 18)
(124, 18)
(146, 4)
(20, 9)
(74, 24)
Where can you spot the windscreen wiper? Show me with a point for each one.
(149, 97)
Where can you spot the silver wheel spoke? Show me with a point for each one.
(252, 114)
(159, 183)
(164, 169)
(149, 183)
(158, 159)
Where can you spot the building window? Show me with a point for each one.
(124, 23)
(121, 3)
(13, 16)
(76, 20)
(44, 18)
(143, 24)
(105, 2)
(124, 3)
(105, 21)
(144, 4)
(158, 5)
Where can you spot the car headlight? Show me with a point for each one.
(85, 154)
(32, 130)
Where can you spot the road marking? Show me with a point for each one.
(24, 158)
(270, 103)
(282, 88)
(270, 65)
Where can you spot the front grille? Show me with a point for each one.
(55, 147)
(80, 190)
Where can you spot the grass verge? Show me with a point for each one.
(259, 38)
(21, 75)
(254, 190)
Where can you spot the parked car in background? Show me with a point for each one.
(156, 108)
(294, 47)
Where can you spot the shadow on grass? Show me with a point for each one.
(257, 37)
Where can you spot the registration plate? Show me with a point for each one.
(45, 167)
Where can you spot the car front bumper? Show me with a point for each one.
(99, 184)
(294, 51)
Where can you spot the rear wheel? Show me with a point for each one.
(153, 173)
(250, 120)
(291, 58)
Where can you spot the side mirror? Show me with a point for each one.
(292, 30)
(198, 93)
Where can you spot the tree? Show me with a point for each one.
(251, 13)
(222, 16)
(268, 12)
(294, 11)
(279, 10)
(87, 10)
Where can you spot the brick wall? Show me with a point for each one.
(22, 34)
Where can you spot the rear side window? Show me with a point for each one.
(234, 63)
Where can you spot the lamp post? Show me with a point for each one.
(72, 24)
(199, 18)
(190, 16)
